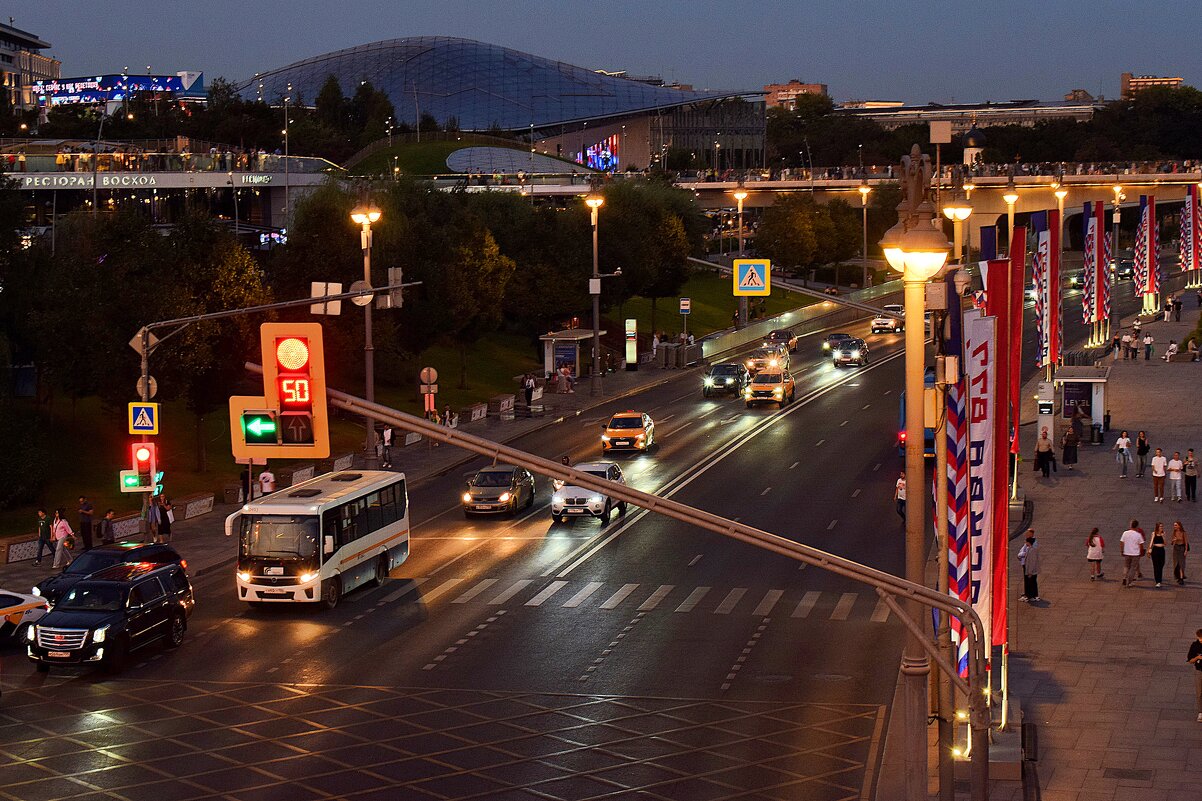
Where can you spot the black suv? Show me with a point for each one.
(729, 378)
(103, 557)
(111, 613)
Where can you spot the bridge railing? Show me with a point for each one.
(162, 161)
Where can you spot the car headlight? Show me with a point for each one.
(750, 363)
(605, 437)
(244, 576)
(305, 578)
(729, 381)
(709, 382)
(37, 592)
(596, 499)
(777, 390)
(855, 354)
(747, 392)
(31, 633)
(826, 346)
(557, 498)
(99, 634)
(467, 497)
(773, 363)
(505, 496)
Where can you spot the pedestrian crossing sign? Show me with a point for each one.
(753, 277)
(143, 418)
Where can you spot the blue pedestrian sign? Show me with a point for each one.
(753, 277)
(686, 305)
(144, 418)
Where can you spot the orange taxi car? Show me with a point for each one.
(628, 431)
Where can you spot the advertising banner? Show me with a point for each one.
(980, 370)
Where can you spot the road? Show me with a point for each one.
(515, 658)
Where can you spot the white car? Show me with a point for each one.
(888, 323)
(18, 611)
(571, 501)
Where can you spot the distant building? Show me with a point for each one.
(22, 64)
(1130, 85)
(964, 116)
(785, 95)
(1082, 96)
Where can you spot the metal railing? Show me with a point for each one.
(117, 158)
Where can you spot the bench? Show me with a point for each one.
(474, 413)
(194, 505)
(1182, 356)
(501, 406)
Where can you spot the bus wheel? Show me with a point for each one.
(381, 571)
(331, 592)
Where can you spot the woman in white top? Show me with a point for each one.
(1122, 448)
(1094, 550)
(1175, 469)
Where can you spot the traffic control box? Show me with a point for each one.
(290, 420)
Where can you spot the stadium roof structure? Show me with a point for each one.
(481, 85)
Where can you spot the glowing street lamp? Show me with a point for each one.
(864, 189)
(594, 200)
(364, 216)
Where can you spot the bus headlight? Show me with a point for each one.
(305, 578)
(244, 576)
(99, 634)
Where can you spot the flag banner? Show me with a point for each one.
(959, 556)
(1147, 248)
(1039, 280)
(1012, 343)
(988, 242)
(1103, 275)
(1153, 248)
(1187, 247)
(1089, 267)
(994, 274)
(1055, 287)
(980, 369)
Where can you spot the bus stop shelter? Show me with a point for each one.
(1084, 388)
(568, 348)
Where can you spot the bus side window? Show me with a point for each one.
(346, 529)
(402, 499)
(375, 517)
(388, 505)
(329, 531)
(362, 527)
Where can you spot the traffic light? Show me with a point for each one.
(140, 477)
(290, 420)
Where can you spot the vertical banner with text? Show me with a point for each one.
(980, 370)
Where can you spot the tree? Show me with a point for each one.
(786, 234)
(330, 105)
(476, 274)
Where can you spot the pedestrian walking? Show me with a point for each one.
(85, 522)
(64, 539)
(386, 446)
(1045, 458)
(1176, 470)
(1195, 656)
(528, 389)
(1116, 345)
(1028, 557)
(899, 495)
(1156, 549)
(1142, 447)
(1190, 468)
(1159, 469)
(1122, 453)
(1148, 341)
(1069, 444)
(1133, 549)
(1177, 305)
(154, 516)
(105, 527)
(1168, 311)
(166, 518)
(1127, 349)
(45, 537)
(1095, 550)
(266, 481)
(1180, 542)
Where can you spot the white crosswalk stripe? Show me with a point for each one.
(551, 589)
(813, 604)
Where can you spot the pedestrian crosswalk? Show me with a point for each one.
(601, 596)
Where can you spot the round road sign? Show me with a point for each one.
(428, 375)
(359, 286)
(154, 388)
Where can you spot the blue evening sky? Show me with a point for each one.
(863, 49)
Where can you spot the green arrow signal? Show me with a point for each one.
(260, 426)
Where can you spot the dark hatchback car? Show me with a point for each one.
(832, 341)
(112, 613)
(102, 557)
(729, 378)
(501, 488)
(850, 351)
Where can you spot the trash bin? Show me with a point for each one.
(1095, 434)
(233, 493)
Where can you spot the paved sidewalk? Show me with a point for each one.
(202, 540)
(1098, 668)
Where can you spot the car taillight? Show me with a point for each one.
(901, 436)
(183, 563)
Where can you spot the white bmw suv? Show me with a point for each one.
(572, 501)
(888, 323)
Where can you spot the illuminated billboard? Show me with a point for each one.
(602, 155)
(109, 88)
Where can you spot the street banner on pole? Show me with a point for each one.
(1147, 252)
(1188, 247)
(1090, 256)
(988, 242)
(1046, 277)
(959, 553)
(980, 367)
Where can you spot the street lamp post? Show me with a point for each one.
(918, 250)
(957, 211)
(740, 196)
(864, 190)
(594, 201)
(104, 115)
(1116, 220)
(365, 216)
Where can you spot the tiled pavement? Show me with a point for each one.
(1101, 669)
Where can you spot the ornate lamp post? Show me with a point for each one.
(594, 201)
(864, 189)
(741, 195)
(915, 248)
(365, 216)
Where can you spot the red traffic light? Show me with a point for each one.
(142, 454)
(292, 353)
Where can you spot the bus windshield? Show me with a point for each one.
(279, 536)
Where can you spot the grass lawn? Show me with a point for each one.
(91, 445)
(425, 158)
(712, 306)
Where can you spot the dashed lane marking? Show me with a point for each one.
(881, 613)
(794, 465)
(845, 422)
(513, 590)
(819, 442)
(856, 494)
(770, 599)
(878, 467)
(843, 608)
(832, 524)
(695, 560)
(440, 589)
(766, 491)
(866, 406)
